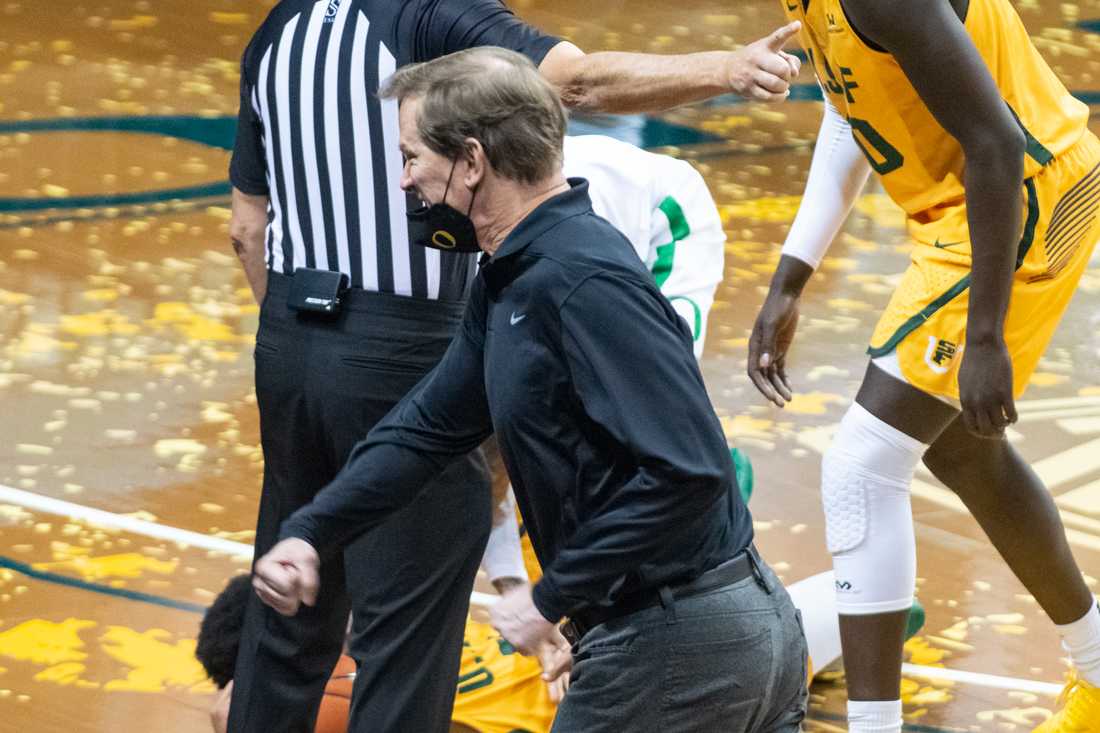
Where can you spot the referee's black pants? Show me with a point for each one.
(321, 384)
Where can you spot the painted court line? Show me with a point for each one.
(982, 680)
(130, 595)
(111, 520)
(186, 538)
(182, 537)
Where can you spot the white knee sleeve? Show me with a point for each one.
(865, 478)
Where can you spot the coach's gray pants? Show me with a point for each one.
(728, 661)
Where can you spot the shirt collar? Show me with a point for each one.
(545, 216)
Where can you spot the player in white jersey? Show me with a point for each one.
(664, 208)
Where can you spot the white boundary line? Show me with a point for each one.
(185, 538)
(100, 518)
(181, 537)
(982, 680)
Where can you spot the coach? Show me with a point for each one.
(353, 315)
(569, 352)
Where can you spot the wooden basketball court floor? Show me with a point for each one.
(129, 453)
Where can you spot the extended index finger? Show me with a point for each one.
(779, 37)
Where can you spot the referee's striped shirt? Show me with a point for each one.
(313, 136)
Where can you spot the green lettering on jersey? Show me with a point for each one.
(888, 158)
(475, 679)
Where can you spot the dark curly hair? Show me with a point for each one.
(220, 631)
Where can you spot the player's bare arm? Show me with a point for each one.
(617, 82)
(939, 59)
(838, 171)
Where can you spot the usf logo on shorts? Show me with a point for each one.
(939, 354)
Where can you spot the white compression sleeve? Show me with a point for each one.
(838, 171)
(503, 556)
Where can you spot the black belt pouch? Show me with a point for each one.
(316, 291)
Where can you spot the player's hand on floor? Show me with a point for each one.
(516, 619)
(762, 71)
(985, 389)
(219, 711)
(771, 337)
(288, 576)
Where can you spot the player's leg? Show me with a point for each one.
(1005, 496)
(1019, 516)
(815, 598)
(866, 475)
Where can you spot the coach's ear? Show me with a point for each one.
(477, 162)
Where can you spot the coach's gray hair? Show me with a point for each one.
(494, 96)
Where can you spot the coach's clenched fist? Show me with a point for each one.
(287, 576)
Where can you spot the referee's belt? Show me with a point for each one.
(745, 564)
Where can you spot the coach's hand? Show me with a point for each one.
(985, 388)
(762, 71)
(287, 576)
(516, 619)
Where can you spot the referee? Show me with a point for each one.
(353, 316)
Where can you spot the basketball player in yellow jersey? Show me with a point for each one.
(983, 147)
(499, 690)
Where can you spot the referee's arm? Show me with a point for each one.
(628, 83)
(247, 229)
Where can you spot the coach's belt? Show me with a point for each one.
(743, 565)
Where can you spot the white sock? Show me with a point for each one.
(1082, 640)
(874, 716)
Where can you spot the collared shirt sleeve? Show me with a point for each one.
(440, 27)
(445, 416)
(634, 374)
(247, 169)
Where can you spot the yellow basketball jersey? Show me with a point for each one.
(920, 164)
(500, 690)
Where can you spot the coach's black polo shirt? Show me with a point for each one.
(571, 354)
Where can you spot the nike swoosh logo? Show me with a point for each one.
(516, 319)
(944, 245)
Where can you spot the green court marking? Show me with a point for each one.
(206, 190)
(220, 132)
(130, 595)
(217, 132)
(179, 207)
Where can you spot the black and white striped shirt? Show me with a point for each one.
(313, 136)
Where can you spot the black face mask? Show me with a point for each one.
(441, 226)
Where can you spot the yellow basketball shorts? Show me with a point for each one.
(925, 321)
